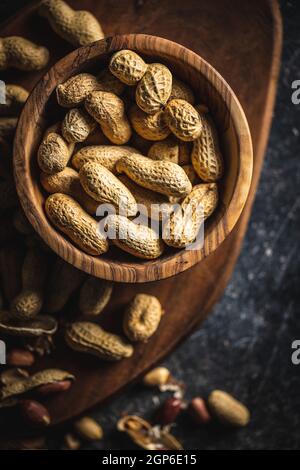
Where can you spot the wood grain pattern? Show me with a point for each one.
(223, 32)
(209, 88)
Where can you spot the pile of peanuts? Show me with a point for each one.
(96, 156)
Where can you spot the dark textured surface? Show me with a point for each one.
(245, 346)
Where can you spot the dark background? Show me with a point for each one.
(245, 346)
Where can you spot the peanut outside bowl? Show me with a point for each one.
(210, 88)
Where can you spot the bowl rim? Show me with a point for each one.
(181, 260)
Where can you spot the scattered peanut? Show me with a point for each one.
(183, 120)
(94, 296)
(35, 413)
(22, 54)
(157, 377)
(55, 387)
(67, 182)
(138, 240)
(15, 97)
(206, 156)
(127, 66)
(69, 217)
(92, 339)
(80, 28)
(160, 176)
(77, 126)
(54, 153)
(169, 411)
(104, 187)
(149, 126)
(20, 358)
(88, 429)
(109, 111)
(198, 411)
(154, 89)
(71, 442)
(106, 155)
(142, 317)
(227, 409)
(29, 301)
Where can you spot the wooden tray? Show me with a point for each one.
(242, 40)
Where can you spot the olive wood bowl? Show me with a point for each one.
(41, 110)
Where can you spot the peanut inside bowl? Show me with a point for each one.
(42, 110)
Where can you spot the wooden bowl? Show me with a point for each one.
(211, 89)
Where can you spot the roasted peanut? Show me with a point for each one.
(7, 127)
(183, 120)
(148, 126)
(20, 358)
(15, 97)
(108, 82)
(104, 187)
(227, 409)
(80, 28)
(206, 155)
(127, 66)
(137, 240)
(55, 387)
(154, 89)
(63, 282)
(54, 153)
(67, 182)
(169, 411)
(92, 339)
(184, 223)
(72, 442)
(159, 176)
(29, 301)
(157, 377)
(150, 204)
(109, 111)
(69, 217)
(142, 317)
(77, 126)
(198, 411)
(22, 54)
(76, 89)
(106, 155)
(181, 91)
(94, 296)
(166, 150)
(35, 413)
(88, 429)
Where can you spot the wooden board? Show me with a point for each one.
(243, 41)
